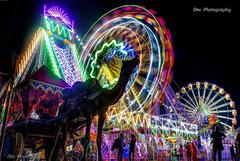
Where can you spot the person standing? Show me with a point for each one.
(118, 144)
(181, 152)
(217, 137)
(132, 147)
(232, 152)
(188, 151)
(194, 151)
(120, 148)
(238, 146)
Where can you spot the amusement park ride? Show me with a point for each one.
(56, 58)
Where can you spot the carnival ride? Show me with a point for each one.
(122, 33)
(52, 46)
(57, 57)
(207, 104)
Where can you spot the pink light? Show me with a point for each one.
(153, 11)
(161, 20)
(128, 8)
(116, 12)
(58, 12)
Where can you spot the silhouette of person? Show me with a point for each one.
(232, 152)
(188, 151)
(194, 151)
(132, 147)
(217, 143)
(120, 147)
(181, 152)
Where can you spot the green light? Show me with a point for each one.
(51, 56)
(57, 28)
(113, 42)
(78, 60)
(3, 113)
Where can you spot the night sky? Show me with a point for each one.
(205, 44)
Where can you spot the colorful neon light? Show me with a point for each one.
(57, 28)
(126, 26)
(51, 55)
(24, 61)
(107, 45)
(59, 13)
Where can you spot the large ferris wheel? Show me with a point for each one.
(207, 105)
(120, 35)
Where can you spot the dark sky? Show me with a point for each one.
(205, 44)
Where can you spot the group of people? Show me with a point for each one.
(190, 148)
(217, 144)
(218, 147)
(189, 152)
(119, 144)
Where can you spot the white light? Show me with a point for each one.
(81, 43)
(78, 39)
(77, 36)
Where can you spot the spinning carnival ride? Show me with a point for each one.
(122, 34)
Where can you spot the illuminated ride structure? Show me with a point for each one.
(120, 34)
(208, 106)
(48, 64)
(149, 108)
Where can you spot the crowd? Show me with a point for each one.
(188, 152)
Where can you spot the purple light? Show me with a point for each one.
(59, 13)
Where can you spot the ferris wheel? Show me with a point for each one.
(120, 35)
(207, 104)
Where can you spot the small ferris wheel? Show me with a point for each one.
(207, 104)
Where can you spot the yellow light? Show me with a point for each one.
(221, 91)
(214, 87)
(198, 84)
(190, 86)
(227, 97)
(234, 121)
(183, 90)
(234, 112)
(232, 104)
(206, 84)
